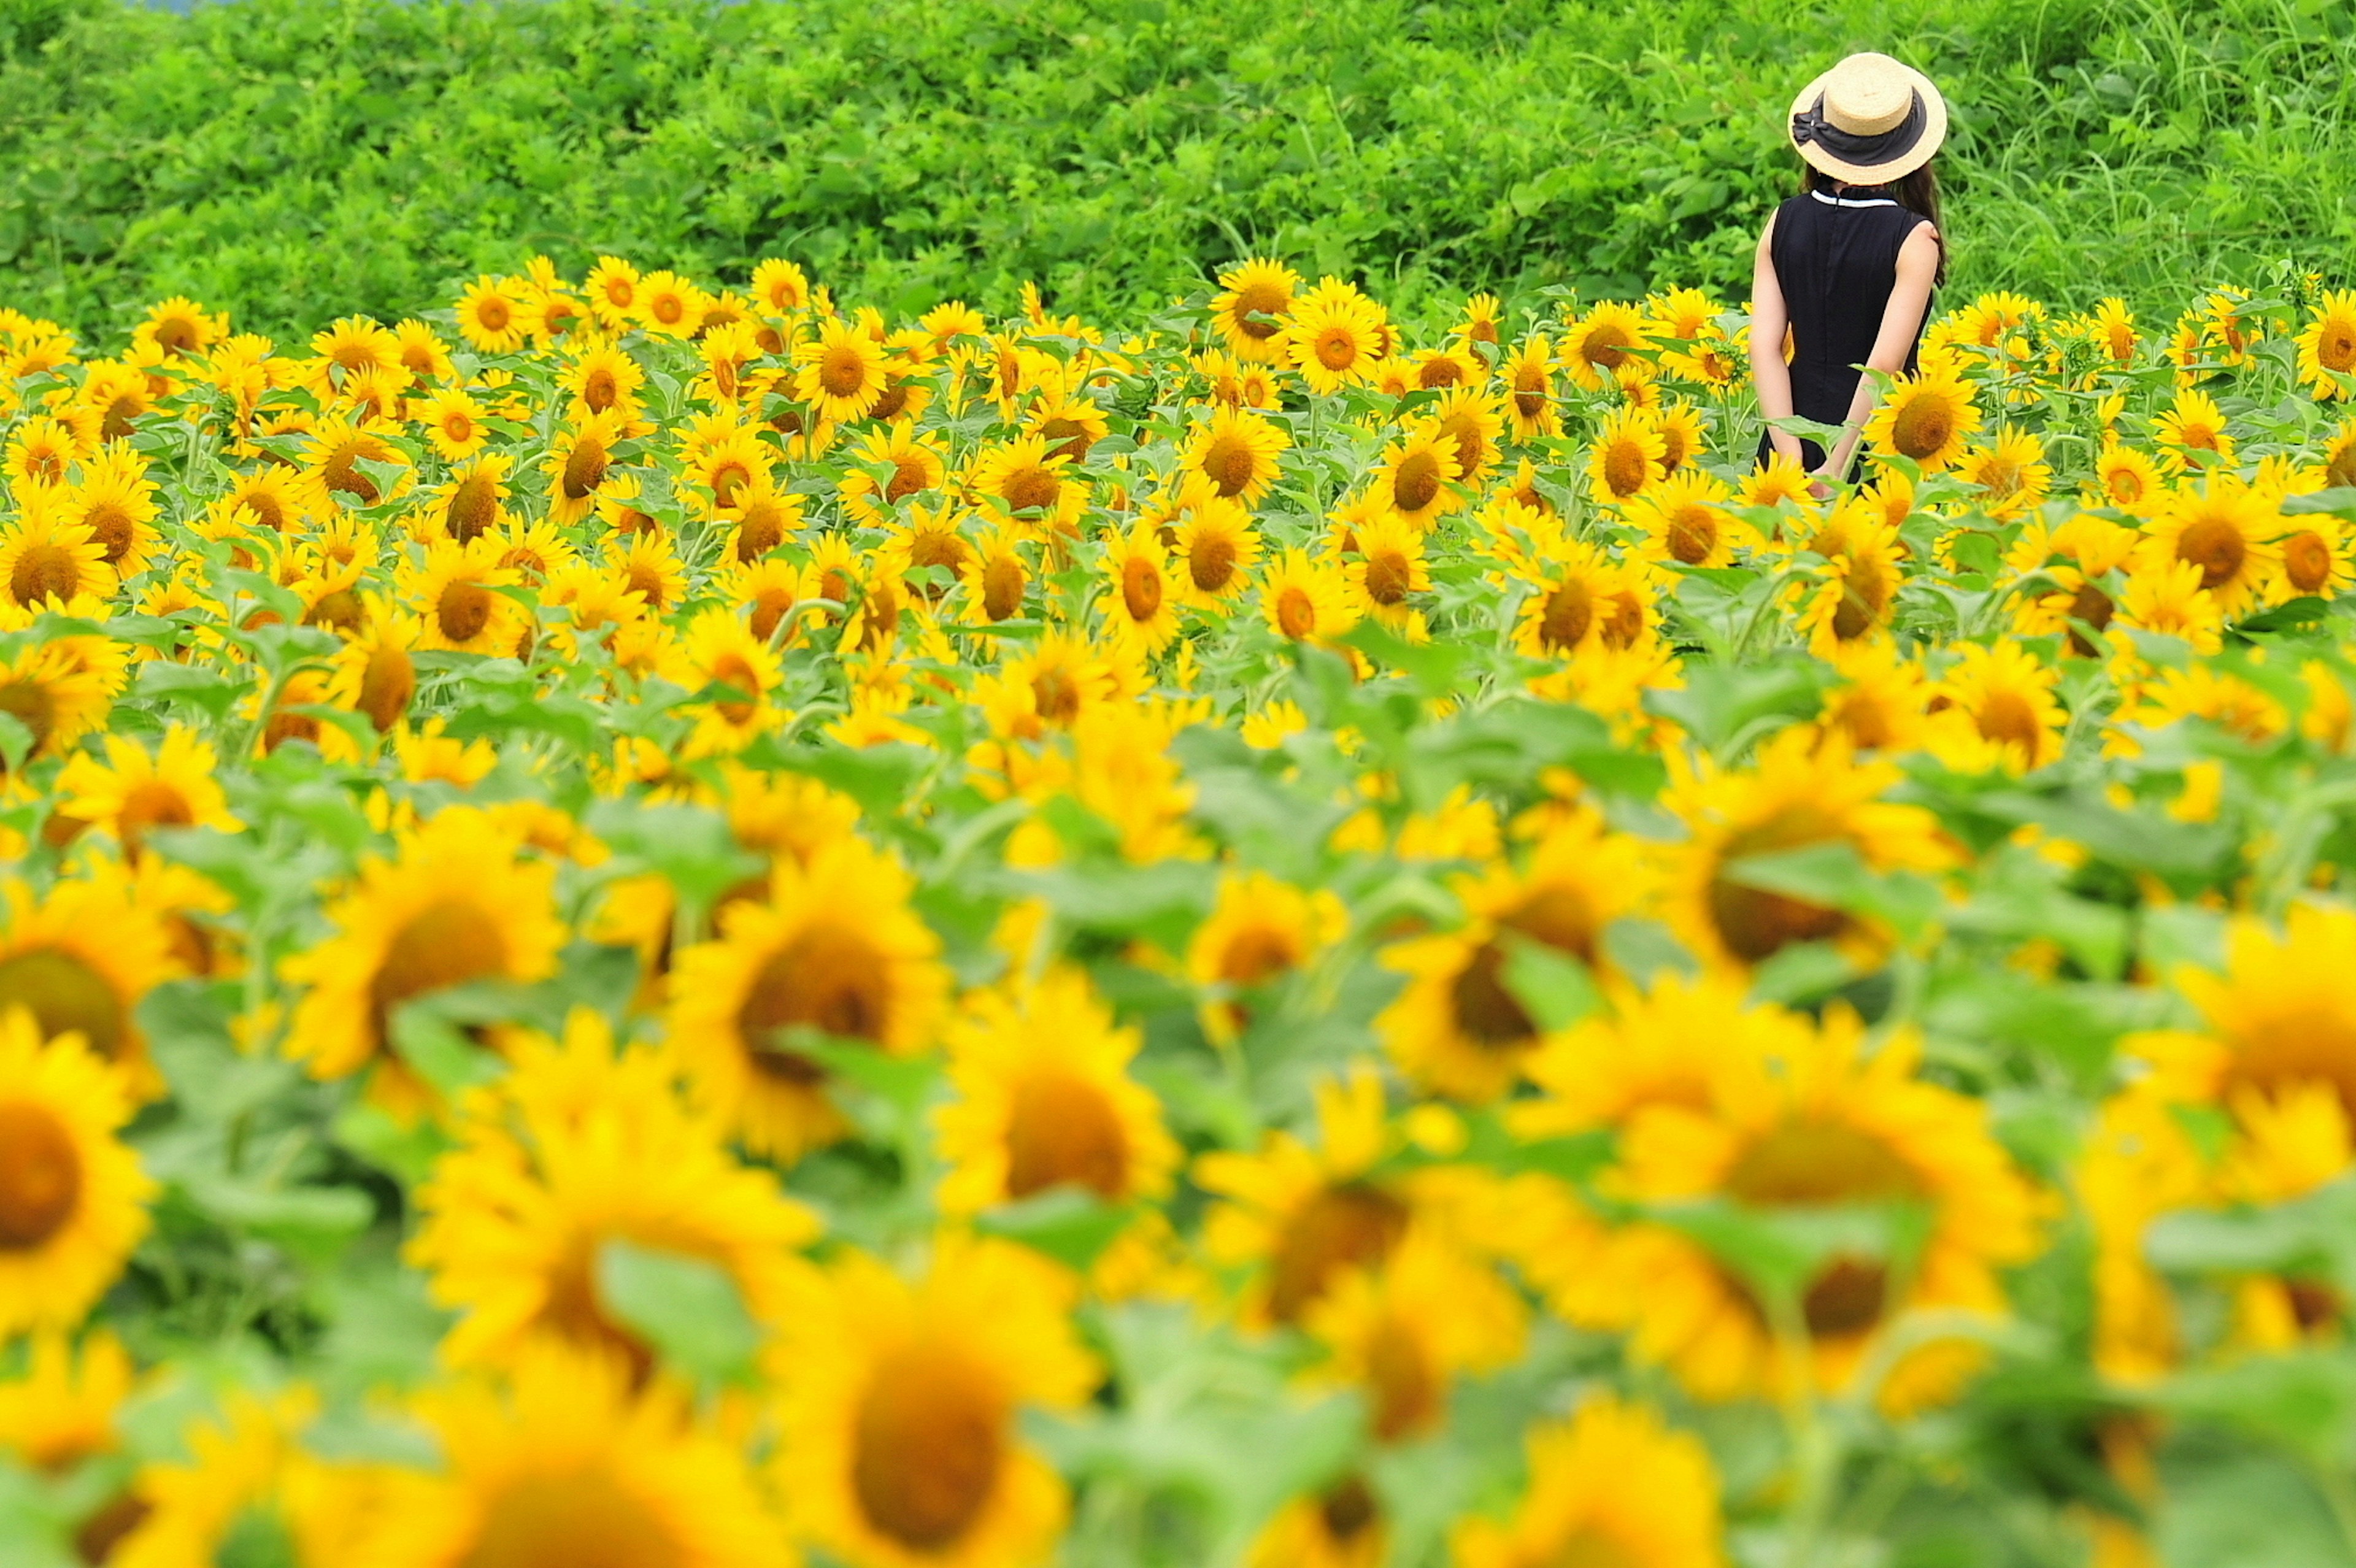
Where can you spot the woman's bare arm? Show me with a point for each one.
(1770, 319)
(1902, 318)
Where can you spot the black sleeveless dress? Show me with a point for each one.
(1836, 255)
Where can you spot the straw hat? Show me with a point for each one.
(1869, 120)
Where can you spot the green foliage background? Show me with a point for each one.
(296, 160)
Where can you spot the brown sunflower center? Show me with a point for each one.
(1210, 561)
(2007, 718)
(730, 669)
(1530, 392)
(1487, 1012)
(40, 1177)
(110, 524)
(600, 388)
(1337, 348)
(44, 571)
(1389, 576)
(1416, 486)
(1056, 695)
(760, 529)
(2335, 347)
(576, 1519)
(1141, 588)
(1407, 1387)
(388, 681)
(451, 941)
(729, 478)
(1296, 612)
(928, 1445)
(1441, 372)
(1567, 615)
(1627, 468)
(1002, 584)
(2341, 469)
(1754, 922)
(1347, 1225)
(2307, 562)
(842, 371)
(2216, 547)
(584, 468)
(1229, 463)
(1923, 426)
(909, 476)
(1693, 534)
(95, 1539)
(64, 992)
(149, 804)
(1063, 1130)
(463, 610)
(2092, 606)
(1349, 1510)
(829, 978)
(1255, 306)
(670, 309)
(2286, 1045)
(1257, 953)
(341, 473)
(1030, 488)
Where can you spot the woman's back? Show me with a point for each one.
(1837, 259)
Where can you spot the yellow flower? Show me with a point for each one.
(835, 950)
(455, 590)
(1926, 418)
(2227, 530)
(1625, 461)
(2194, 424)
(2003, 699)
(1404, 1330)
(492, 315)
(1260, 931)
(1248, 311)
(1343, 1526)
(1415, 477)
(1336, 336)
(580, 464)
(1797, 795)
(1528, 375)
(1044, 1099)
(62, 1410)
(46, 560)
(457, 902)
(133, 791)
(1612, 1487)
(1598, 345)
(842, 371)
(1824, 1120)
(2327, 349)
(73, 1198)
(564, 1462)
(1236, 452)
(899, 1403)
(1303, 599)
(1685, 520)
(580, 1147)
(78, 957)
(1140, 600)
(2126, 477)
(180, 328)
(2011, 472)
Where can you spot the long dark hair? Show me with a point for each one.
(1916, 192)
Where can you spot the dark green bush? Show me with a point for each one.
(296, 160)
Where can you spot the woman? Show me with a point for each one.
(1849, 263)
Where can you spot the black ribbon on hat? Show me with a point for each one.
(1810, 126)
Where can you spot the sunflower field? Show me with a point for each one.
(653, 923)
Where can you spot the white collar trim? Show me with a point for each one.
(1847, 201)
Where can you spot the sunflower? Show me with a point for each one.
(46, 561)
(2225, 527)
(2011, 472)
(564, 1462)
(274, 496)
(889, 467)
(2000, 701)
(1336, 336)
(1857, 592)
(1415, 478)
(669, 304)
(1598, 344)
(492, 313)
(471, 501)
(453, 422)
(1249, 310)
(1574, 596)
(1776, 481)
(1215, 547)
(1023, 476)
(612, 287)
(1405, 1330)
(928, 536)
(115, 500)
(1260, 931)
(1140, 600)
(43, 451)
(333, 475)
(61, 1410)
(179, 328)
(1528, 375)
(1071, 421)
(2125, 477)
(1625, 460)
(780, 287)
(2115, 330)
(1926, 418)
(1342, 1525)
(1433, 369)
(2314, 558)
(720, 650)
(842, 371)
(1799, 792)
(899, 1406)
(1458, 1028)
(602, 377)
(1304, 599)
(2194, 424)
(1686, 520)
(455, 591)
(134, 791)
(835, 950)
(80, 957)
(1045, 1099)
(2277, 1018)
(2166, 596)
(1308, 1216)
(730, 466)
(582, 1148)
(1236, 451)
(456, 901)
(72, 1197)
(765, 519)
(2327, 348)
(1612, 1488)
(246, 1482)
(1389, 567)
(580, 462)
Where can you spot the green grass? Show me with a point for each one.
(296, 160)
